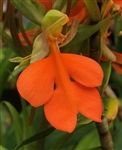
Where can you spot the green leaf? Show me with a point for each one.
(85, 31)
(93, 9)
(28, 130)
(2, 148)
(10, 42)
(36, 137)
(5, 67)
(106, 66)
(59, 4)
(2, 56)
(117, 137)
(117, 35)
(89, 141)
(56, 138)
(17, 122)
(60, 142)
(117, 80)
(31, 9)
(96, 148)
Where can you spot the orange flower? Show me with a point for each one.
(46, 3)
(49, 82)
(64, 83)
(119, 2)
(78, 12)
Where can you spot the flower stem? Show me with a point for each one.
(69, 2)
(95, 51)
(103, 128)
(104, 134)
(93, 9)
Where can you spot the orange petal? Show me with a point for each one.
(36, 82)
(60, 113)
(46, 3)
(119, 2)
(89, 102)
(77, 8)
(78, 12)
(118, 57)
(80, 16)
(117, 68)
(83, 70)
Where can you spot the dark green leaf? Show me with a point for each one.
(117, 138)
(9, 41)
(31, 9)
(88, 141)
(36, 137)
(5, 67)
(17, 123)
(85, 31)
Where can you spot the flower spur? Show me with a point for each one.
(64, 83)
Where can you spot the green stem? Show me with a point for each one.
(95, 54)
(69, 3)
(95, 51)
(32, 114)
(93, 9)
(104, 134)
(43, 126)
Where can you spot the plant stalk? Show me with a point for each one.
(104, 134)
(103, 128)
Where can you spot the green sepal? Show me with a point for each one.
(54, 19)
(16, 59)
(25, 63)
(40, 48)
